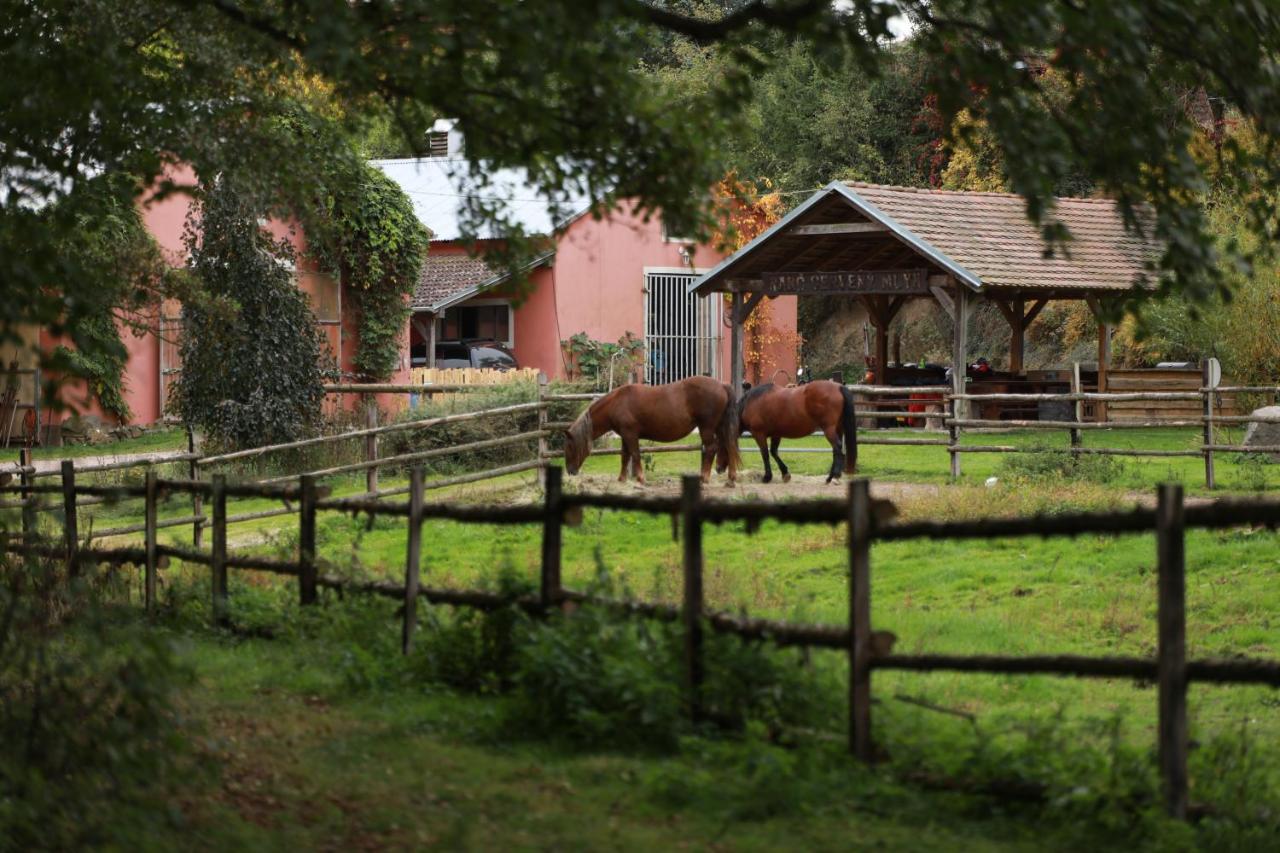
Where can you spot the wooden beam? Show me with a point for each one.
(944, 299)
(736, 368)
(837, 228)
(1034, 312)
(750, 305)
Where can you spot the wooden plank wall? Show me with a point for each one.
(1147, 380)
(471, 375)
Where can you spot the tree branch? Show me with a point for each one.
(705, 32)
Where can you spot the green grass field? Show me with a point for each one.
(305, 760)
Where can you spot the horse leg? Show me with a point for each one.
(626, 459)
(637, 464)
(774, 443)
(837, 457)
(764, 454)
(708, 438)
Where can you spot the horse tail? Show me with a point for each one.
(849, 423)
(727, 432)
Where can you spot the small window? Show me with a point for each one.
(477, 322)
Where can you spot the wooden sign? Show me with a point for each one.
(866, 281)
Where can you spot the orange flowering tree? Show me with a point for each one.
(746, 209)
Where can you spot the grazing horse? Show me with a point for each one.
(771, 414)
(658, 413)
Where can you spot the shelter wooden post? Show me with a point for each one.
(1019, 318)
(413, 559)
(882, 309)
(70, 523)
(691, 530)
(1171, 655)
(552, 531)
(860, 619)
(1104, 354)
(218, 557)
(149, 541)
(371, 443)
(736, 367)
(307, 539)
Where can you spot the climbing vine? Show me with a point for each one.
(744, 211)
(368, 233)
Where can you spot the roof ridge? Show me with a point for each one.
(980, 193)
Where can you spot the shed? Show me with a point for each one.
(885, 245)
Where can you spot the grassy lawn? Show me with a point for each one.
(305, 764)
(308, 761)
(148, 442)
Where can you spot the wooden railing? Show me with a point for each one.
(867, 650)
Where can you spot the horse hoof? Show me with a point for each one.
(766, 479)
(786, 478)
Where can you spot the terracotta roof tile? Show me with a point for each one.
(446, 276)
(989, 235)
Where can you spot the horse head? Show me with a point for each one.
(577, 443)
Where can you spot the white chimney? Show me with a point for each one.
(445, 139)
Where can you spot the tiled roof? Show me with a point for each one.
(444, 277)
(989, 235)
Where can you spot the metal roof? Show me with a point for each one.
(439, 187)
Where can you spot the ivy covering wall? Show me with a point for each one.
(368, 233)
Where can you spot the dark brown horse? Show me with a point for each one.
(771, 413)
(658, 413)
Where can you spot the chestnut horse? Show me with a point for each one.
(771, 413)
(658, 413)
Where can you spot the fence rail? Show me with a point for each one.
(867, 650)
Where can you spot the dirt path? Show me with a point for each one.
(44, 465)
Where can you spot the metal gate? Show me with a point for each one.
(681, 330)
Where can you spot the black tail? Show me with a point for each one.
(727, 432)
(849, 423)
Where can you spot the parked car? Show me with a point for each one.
(467, 353)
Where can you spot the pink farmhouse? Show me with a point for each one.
(604, 277)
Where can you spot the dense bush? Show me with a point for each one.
(86, 715)
(257, 377)
(465, 432)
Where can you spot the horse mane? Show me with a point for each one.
(754, 392)
(577, 442)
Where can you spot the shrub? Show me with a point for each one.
(86, 715)
(465, 432)
(1043, 464)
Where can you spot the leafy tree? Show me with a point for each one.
(552, 87)
(251, 372)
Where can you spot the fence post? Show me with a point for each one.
(1207, 392)
(413, 561)
(1171, 663)
(28, 508)
(860, 619)
(307, 540)
(197, 500)
(371, 443)
(691, 522)
(953, 433)
(551, 537)
(218, 557)
(70, 524)
(542, 429)
(1077, 388)
(149, 576)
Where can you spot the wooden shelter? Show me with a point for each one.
(885, 245)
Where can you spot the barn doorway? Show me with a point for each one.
(681, 330)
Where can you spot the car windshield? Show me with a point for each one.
(492, 357)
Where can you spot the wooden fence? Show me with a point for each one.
(867, 650)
